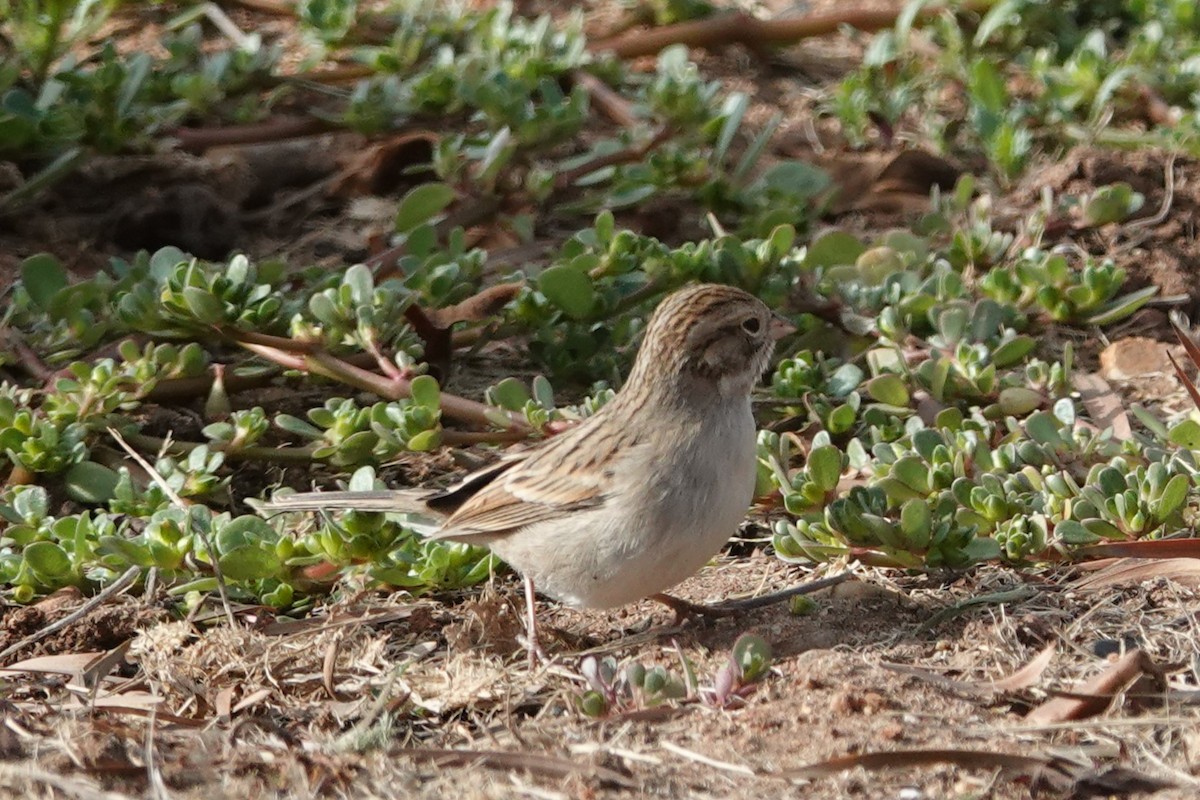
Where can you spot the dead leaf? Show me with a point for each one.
(100, 667)
(1126, 571)
(1193, 353)
(224, 703)
(906, 759)
(916, 172)
(928, 407)
(143, 701)
(1185, 380)
(849, 481)
(328, 668)
(536, 763)
(61, 664)
(252, 699)
(380, 168)
(1103, 405)
(1145, 548)
(1023, 678)
(1094, 696)
(881, 182)
(1193, 350)
(1029, 674)
(477, 308)
(59, 600)
(1133, 356)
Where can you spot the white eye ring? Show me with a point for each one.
(751, 325)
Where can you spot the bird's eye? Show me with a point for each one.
(751, 325)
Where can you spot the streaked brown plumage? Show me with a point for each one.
(641, 494)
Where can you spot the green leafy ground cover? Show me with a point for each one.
(924, 417)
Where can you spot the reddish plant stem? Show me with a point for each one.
(199, 140)
(386, 365)
(342, 73)
(285, 360)
(284, 343)
(461, 438)
(742, 28)
(438, 345)
(30, 361)
(188, 388)
(629, 155)
(275, 9)
(327, 365)
(610, 104)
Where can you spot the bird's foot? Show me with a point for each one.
(536, 655)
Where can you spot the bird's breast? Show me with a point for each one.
(677, 497)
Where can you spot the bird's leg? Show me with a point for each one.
(536, 655)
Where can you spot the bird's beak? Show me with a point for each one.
(779, 327)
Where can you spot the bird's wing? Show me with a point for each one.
(565, 475)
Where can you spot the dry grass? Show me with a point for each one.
(433, 700)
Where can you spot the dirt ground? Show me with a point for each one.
(432, 698)
(393, 696)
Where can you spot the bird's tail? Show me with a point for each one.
(397, 501)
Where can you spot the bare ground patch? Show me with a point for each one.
(383, 697)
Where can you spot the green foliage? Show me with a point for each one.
(330, 20)
(348, 435)
(1112, 203)
(607, 281)
(1044, 280)
(448, 59)
(1034, 76)
(42, 32)
(619, 688)
(61, 320)
(243, 429)
(926, 429)
(511, 80)
(359, 314)
(40, 553)
(179, 296)
(110, 101)
(537, 406)
(948, 496)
